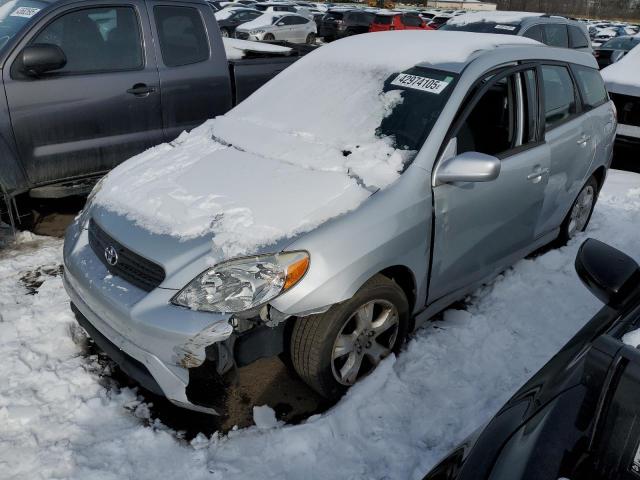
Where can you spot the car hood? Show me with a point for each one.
(621, 77)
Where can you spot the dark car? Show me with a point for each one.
(616, 48)
(384, 22)
(579, 416)
(343, 23)
(229, 18)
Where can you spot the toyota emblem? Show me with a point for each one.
(111, 255)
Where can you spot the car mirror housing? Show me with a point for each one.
(467, 167)
(41, 58)
(608, 273)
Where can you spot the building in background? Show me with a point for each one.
(628, 10)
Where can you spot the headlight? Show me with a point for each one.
(84, 213)
(244, 283)
(256, 32)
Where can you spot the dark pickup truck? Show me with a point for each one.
(90, 83)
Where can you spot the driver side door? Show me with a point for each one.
(482, 227)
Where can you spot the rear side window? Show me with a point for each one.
(298, 20)
(383, 19)
(556, 35)
(535, 33)
(577, 38)
(594, 93)
(559, 95)
(183, 39)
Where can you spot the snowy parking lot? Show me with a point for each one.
(60, 419)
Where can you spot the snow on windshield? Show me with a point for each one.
(494, 17)
(622, 76)
(301, 150)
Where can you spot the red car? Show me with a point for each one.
(398, 21)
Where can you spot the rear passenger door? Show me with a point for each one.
(194, 74)
(570, 137)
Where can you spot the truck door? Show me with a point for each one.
(193, 67)
(98, 110)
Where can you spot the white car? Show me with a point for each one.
(271, 26)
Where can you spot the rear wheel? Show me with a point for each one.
(268, 37)
(333, 350)
(311, 39)
(578, 217)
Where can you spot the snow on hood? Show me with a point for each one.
(236, 49)
(622, 77)
(495, 16)
(299, 151)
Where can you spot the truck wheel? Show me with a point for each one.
(311, 39)
(331, 351)
(268, 37)
(578, 217)
(225, 32)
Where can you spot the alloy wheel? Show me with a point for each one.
(581, 211)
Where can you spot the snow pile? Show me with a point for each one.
(236, 49)
(622, 77)
(301, 150)
(57, 421)
(499, 17)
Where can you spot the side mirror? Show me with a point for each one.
(42, 57)
(608, 273)
(467, 167)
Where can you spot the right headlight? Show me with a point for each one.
(243, 284)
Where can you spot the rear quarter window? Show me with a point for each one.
(591, 85)
(559, 95)
(577, 38)
(556, 35)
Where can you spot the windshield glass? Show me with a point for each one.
(484, 27)
(622, 43)
(15, 14)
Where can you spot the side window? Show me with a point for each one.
(287, 21)
(299, 20)
(556, 35)
(96, 40)
(411, 20)
(577, 38)
(559, 95)
(535, 33)
(183, 39)
(594, 93)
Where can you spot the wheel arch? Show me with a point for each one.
(600, 174)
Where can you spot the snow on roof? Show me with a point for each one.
(236, 49)
(275, 165)
(263, 20)
(622, 76)
(495, 16)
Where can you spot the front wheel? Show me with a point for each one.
(578, 217)
(311, 39)
(268, 37)
(333, 350)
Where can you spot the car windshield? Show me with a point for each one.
(622, 43)
(484, 27)
(424, 93)
(14, 15)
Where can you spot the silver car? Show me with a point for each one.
(504, 145)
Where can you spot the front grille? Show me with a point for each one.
(628, 108)
(130, 266)
(242, 35)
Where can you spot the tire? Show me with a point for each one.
(225, 33)
(326, 349)
(311, 39)
(268, 37)
(580, 213)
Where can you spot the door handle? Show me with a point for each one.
(537, 175)
(584, 139)
(141, 90)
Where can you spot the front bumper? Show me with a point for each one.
(165, 340)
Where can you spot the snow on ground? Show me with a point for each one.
(57, 421)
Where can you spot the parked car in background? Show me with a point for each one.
(272, 26)
(439, 20)
(551, 30)
(237, 242)
(623, 84)
(112, 86)
(577, 418)
(614, 49)
(606, 34)
(230, 18)
(339, 23)
(397, 21)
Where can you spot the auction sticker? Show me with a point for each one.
(424, 84)
(510, 28)
(26, 12)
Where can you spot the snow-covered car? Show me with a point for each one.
(554, 31)
(338, 208)
(607, 34)
(623, 84)
(616, 48)
(583, 401)
(279, 26)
